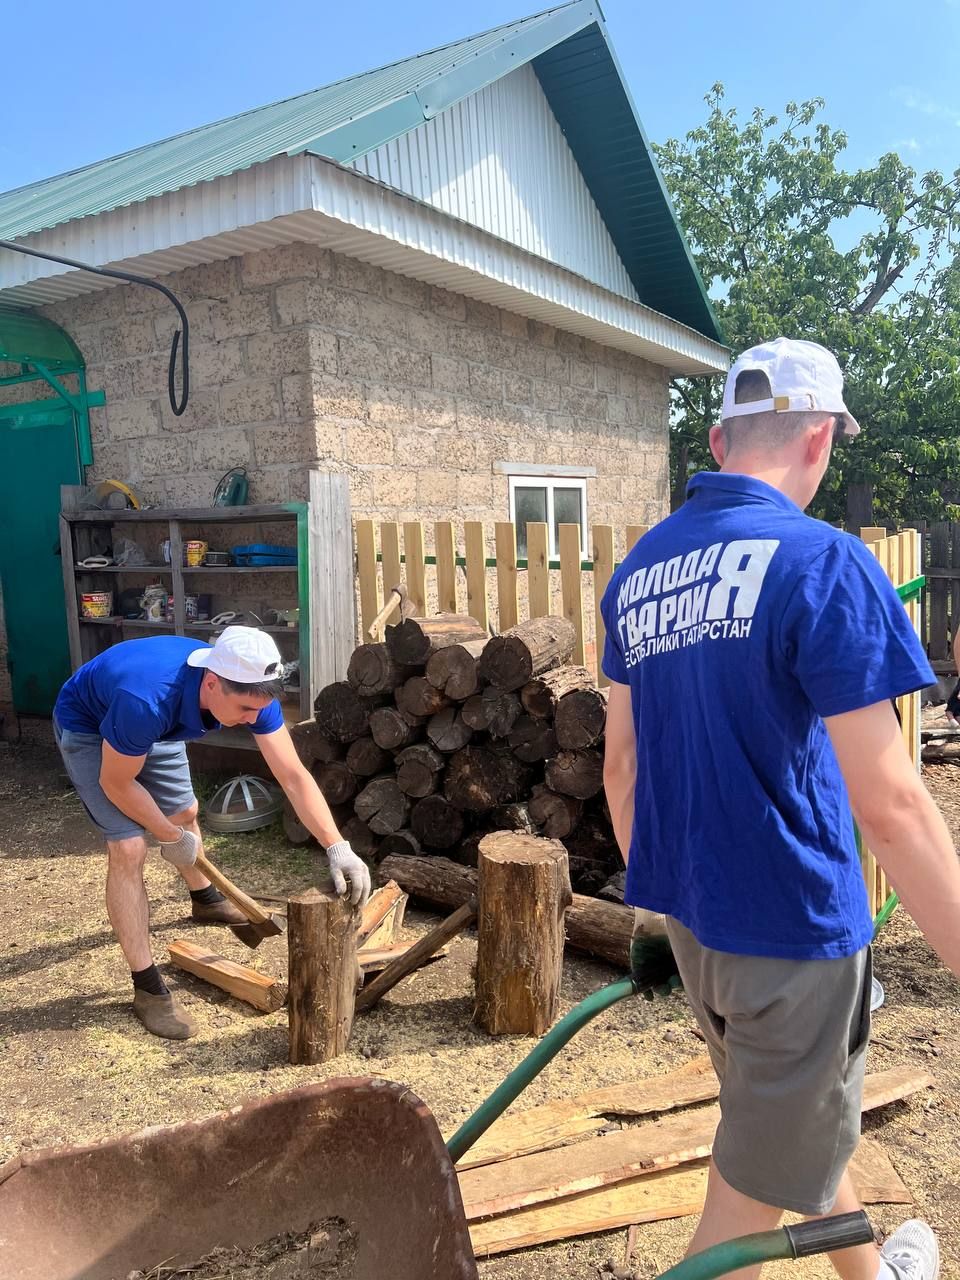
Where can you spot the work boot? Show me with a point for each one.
(222, 912)
(162, 1016)
(911, 1253)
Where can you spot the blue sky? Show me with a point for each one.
(108, 76)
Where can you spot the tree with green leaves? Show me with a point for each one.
(790, 243)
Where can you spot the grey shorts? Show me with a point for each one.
(788, 1039)
(165, 775)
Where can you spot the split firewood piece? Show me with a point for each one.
(413, 641)
(652, 1197)
(447, 730)
(437, 824)
(461, 919)
(372, 670)
(596, 1162)
(366, 758)
(381, 904)
(382, 805)
(376, 959)
(512, 660)
(263, 992)
(554, 1123)
(418, 770)
(541, 695)
(558, 815)
(581, 718)
(390, 729)
(524, 892)
(576, 773)
(453, 669)
(341, 713)
(418, 697)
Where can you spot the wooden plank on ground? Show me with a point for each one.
(596, 1162)
(374, 959)
(508, 604)
(415, 955)
(260, 990)
(674, 1193)
(475, 554)
(415, 563)
(367, 574)
(446, 566)
(571, 584)
(602, 573)
(556, 1122)
(538, 569)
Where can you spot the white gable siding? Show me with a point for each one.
(499, 161)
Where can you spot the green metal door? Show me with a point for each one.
(38, 453)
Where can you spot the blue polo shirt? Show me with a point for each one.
(141, 692)
(738, 624)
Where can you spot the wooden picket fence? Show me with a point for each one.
(496, 590)
(900, 556)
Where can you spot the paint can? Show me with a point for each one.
(96, 604)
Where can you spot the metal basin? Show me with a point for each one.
(367, 1151)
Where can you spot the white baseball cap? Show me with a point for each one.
(802, 376)
(243, 654)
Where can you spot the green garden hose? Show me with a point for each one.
(825, 1235)
(884, 914)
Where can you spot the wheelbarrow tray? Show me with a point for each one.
(367, 1151)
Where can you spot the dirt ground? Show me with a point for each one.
(77, 1067)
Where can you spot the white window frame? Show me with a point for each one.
(531, 476)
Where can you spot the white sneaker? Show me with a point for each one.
(912, 1252)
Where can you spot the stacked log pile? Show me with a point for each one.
(442, 734)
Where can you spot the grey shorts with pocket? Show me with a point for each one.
(165, 775)
(788, 1039)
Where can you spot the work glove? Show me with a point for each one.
(346, 865)
(652, 966)
(953, 705)
(183, 851)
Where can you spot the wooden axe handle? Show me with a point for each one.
(252, 910)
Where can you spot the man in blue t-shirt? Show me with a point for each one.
(121, 722)
(754, 653)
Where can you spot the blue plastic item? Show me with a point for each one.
(262, 553)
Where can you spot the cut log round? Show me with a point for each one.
(541, 695)
(293, 828)
(372, 670)
(341, 713)
(390, 729)
(474, 712)
(413, 641)
(418, 769)
(502, 710)
(576, 773)
(398, 842)
(336, 781)
(323, 974)
(453, 670)
(477, 779)
(366, 758)
(532, 739)
(418, 697)
(513, 817)
(556, 814)
(601, 928)
(363, 841)
(510, 661)
(524, 893)
(580, 718)
(383, 806)
(436, 823)
(447, 730)
(312, 744)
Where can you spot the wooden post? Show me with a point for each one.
(446, 566)
(332, 633)
(602, 573)
(367, 574)
(415, 564)
(524, 892)
(390, 556)
(323, 975)
(475, 553)
(508, 606)
(538, 569)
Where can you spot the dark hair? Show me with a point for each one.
(259, 689)
(768, 428)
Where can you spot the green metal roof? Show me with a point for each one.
(26, 337)
(570, 53)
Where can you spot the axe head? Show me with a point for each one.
(251, 935)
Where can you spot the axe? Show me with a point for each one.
(263, 924)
